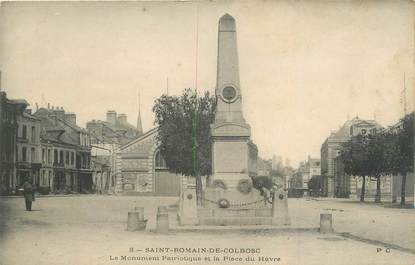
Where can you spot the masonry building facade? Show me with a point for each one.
(106, 137)
(10, 111)
(65, 153)
(142, 170)
(334, 183)
(28, 162)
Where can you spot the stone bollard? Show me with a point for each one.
(133, 221)
(136, 220)
(188, 208)
(280, 214)
(162, 220)
(326, 223)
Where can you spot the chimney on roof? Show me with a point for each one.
(28, 111)
(70, 118)
(60, 113)
(112, 117)
(122, 118)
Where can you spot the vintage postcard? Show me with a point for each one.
(207, 132)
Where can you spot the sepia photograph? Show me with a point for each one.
(207, 132)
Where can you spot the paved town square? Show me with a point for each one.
(92, 230)
(207, 132)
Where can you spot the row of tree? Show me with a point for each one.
(184, 127)
(385, 152)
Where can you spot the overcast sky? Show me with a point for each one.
(305, 66)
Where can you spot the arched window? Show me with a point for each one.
(159, 161)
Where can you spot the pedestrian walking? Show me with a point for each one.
(29, 194)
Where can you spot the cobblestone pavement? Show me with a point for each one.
(92, 230)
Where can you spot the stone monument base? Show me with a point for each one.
(240, 216)
(236, 199)
(252, 210)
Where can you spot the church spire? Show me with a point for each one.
(139, 125)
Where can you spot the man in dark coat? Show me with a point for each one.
(29, 194)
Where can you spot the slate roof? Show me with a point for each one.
(29, 116)
(18, 101)
(56, 130)
(101, 138)
(118, 126)
(73, 126)
(139, 138)
(344, 132)
(122, 131)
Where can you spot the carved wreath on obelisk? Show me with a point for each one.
(218, 183)
(244, 186)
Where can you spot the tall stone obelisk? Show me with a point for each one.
(234, 157)
(229, 108)
(230, 199)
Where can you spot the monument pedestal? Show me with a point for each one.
(231, 199)
(235, 198)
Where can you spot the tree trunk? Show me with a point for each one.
(362, 194)
(403, 189)
(377, 196)
(199, 190)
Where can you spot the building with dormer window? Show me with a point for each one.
(65, 153)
